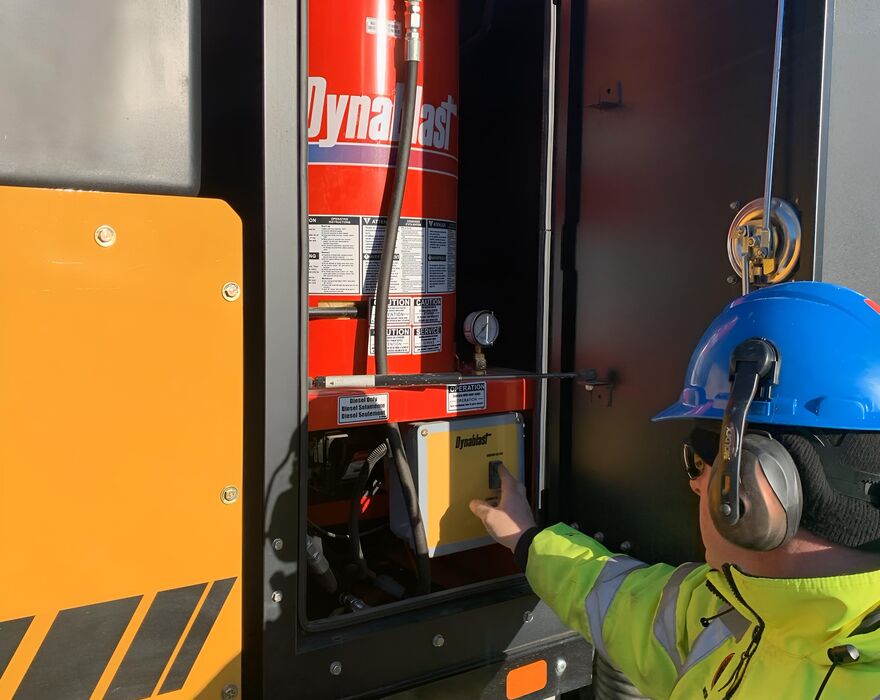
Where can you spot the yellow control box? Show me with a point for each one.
(454, 461)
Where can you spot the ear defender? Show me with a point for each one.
(755, 493)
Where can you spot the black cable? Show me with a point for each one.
(383, 287)
(825, 681)
(354, 513)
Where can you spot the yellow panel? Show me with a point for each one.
(457, 471)
(121, 414)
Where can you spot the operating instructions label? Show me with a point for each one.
(362, 408)
(465, 397)
(344, 255)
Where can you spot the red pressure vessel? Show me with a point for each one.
(356, 74)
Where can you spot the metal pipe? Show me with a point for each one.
(774, 104)
(362, 381)
(333, 312)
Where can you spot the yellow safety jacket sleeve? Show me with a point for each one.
(636, 616)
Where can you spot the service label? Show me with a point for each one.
(362, 408)
(465, 397)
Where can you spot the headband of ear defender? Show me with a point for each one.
(755, 493)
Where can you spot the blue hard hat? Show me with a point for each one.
(828, 339)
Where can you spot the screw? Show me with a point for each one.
(276, 596)
(438, 640)
(336, 668)
(277, 544)
(575, 526)
(229, 495)
(424, 432)
(231, 291)
(561, 665)
(725, 509)
(731, 279)
(625, 546)
(735, 205)
(599, 536)
(527, 616)
(229, 692)
(518, 418)
(105, 236)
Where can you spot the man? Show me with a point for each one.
(784, 391)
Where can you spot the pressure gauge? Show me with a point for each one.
(481, 328)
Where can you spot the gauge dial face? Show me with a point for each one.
(481, 328)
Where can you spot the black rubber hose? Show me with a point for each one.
(383, 287)
(404, 146)
(354, 513)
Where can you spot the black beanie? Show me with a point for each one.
(827, 513)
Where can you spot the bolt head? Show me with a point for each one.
(229, 495)
(438, 640)
(335, 668)
(527, 616)
(231, 291)
(561, 665)
(424, 432)
(735, 205)
(105, 236)
(277, 596)
(625, 546)
(277, 544)
(599, 536)
(229, 692)
(731, 279)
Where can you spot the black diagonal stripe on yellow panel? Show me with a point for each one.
(197, 635)
(72, 657)
(151, 649)
(11, 633)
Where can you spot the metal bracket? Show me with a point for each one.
(589, 380)
(611, 97)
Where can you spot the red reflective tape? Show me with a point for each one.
(526, 680)
(873, 304)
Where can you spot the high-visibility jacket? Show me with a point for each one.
(694, 632)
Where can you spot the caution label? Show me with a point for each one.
(362, 409)
(398, 341)
(465, 397)
(427, 311)
(399, 311)
(427, 339)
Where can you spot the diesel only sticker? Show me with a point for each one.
(362, 408)
(465, 397)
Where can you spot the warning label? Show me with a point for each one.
(427, 311)
(427, 339)
(465, 397)
(344, 254)
(399, 311)
(362, 409)
(398, 342)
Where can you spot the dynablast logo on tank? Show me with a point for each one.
(335, 118)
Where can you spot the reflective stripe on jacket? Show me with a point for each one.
(693, 632)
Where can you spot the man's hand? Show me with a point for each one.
(507, 521)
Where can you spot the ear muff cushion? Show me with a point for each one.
(781, 472)
(827, 513)
(770, 496)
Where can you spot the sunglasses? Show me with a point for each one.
(693, 463)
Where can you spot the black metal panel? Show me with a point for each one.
(656, 180)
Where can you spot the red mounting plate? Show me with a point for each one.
(340, 408)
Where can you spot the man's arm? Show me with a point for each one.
(636, 616)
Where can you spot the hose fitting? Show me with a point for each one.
(413, 29)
